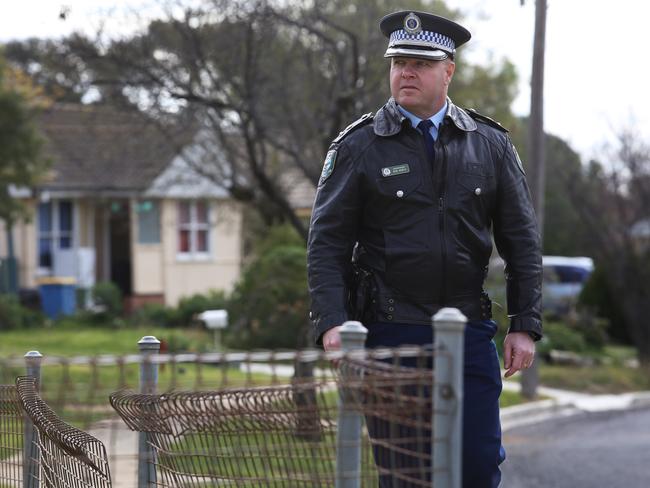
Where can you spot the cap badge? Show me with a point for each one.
(412, 24)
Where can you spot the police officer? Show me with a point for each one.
(406, 208)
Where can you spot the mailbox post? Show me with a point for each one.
(216, 320)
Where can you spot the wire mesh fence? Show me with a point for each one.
(67, 457)
(11, 438)
(253, 418)
(286, 435)
(77, 389)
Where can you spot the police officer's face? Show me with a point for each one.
(420, 85)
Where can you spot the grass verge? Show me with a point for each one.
(600, 379)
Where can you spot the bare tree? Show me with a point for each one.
(270, 83)
(613, 199)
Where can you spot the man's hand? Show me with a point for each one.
(332, 339)
(518, 352)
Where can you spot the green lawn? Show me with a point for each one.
(80, 341)
(79, 392)
(86, 385)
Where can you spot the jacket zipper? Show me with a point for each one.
(441, 223)
(441, 212)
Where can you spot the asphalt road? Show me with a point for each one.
(590, 450)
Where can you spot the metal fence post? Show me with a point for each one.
(31, 452)
(148, 346)
(449, 338)
(350, 420)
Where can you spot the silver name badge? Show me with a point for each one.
(399, 169)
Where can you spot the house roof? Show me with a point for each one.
(101, 150)
(98, 148)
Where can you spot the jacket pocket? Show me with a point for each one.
(399, 187)
(473, 192)
(473, 183)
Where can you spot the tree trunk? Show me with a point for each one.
(308, 421)
(536, 155)
(11, 266)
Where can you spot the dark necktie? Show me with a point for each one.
(424, 126)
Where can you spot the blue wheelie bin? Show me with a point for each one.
(58, 295)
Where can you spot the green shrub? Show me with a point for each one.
(107, 297)
(178, 343)
(189, 307)
(269, 306)
(14, 316)
(592, 328)
(278, 236)
(596, 296)
(558, 335)
(153, 314)
(578, 332)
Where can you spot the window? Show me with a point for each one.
(148, 222)
(193, 228)
(55, 229)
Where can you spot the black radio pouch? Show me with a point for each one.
(361, 292)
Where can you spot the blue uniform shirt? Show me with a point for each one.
(435, 118)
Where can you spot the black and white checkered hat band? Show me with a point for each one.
(422, 38)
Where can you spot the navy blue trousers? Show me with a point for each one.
(482, 449)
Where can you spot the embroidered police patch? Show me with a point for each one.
(519, 163)
(328, 166)
(400, 169)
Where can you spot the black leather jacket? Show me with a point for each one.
(423, 233)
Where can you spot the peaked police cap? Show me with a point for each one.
(422, 35)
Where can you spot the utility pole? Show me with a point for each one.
(536, 154)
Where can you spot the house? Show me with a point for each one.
(122, 204)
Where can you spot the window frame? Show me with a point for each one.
(193, 227)
(55, 233)
(156, 204)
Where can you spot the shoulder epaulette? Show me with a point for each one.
(364, 119)
(484, 118)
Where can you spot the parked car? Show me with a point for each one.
(563, 280)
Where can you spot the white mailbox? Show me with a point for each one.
(214, 319)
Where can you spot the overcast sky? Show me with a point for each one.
(597, 78)
(597, 75)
